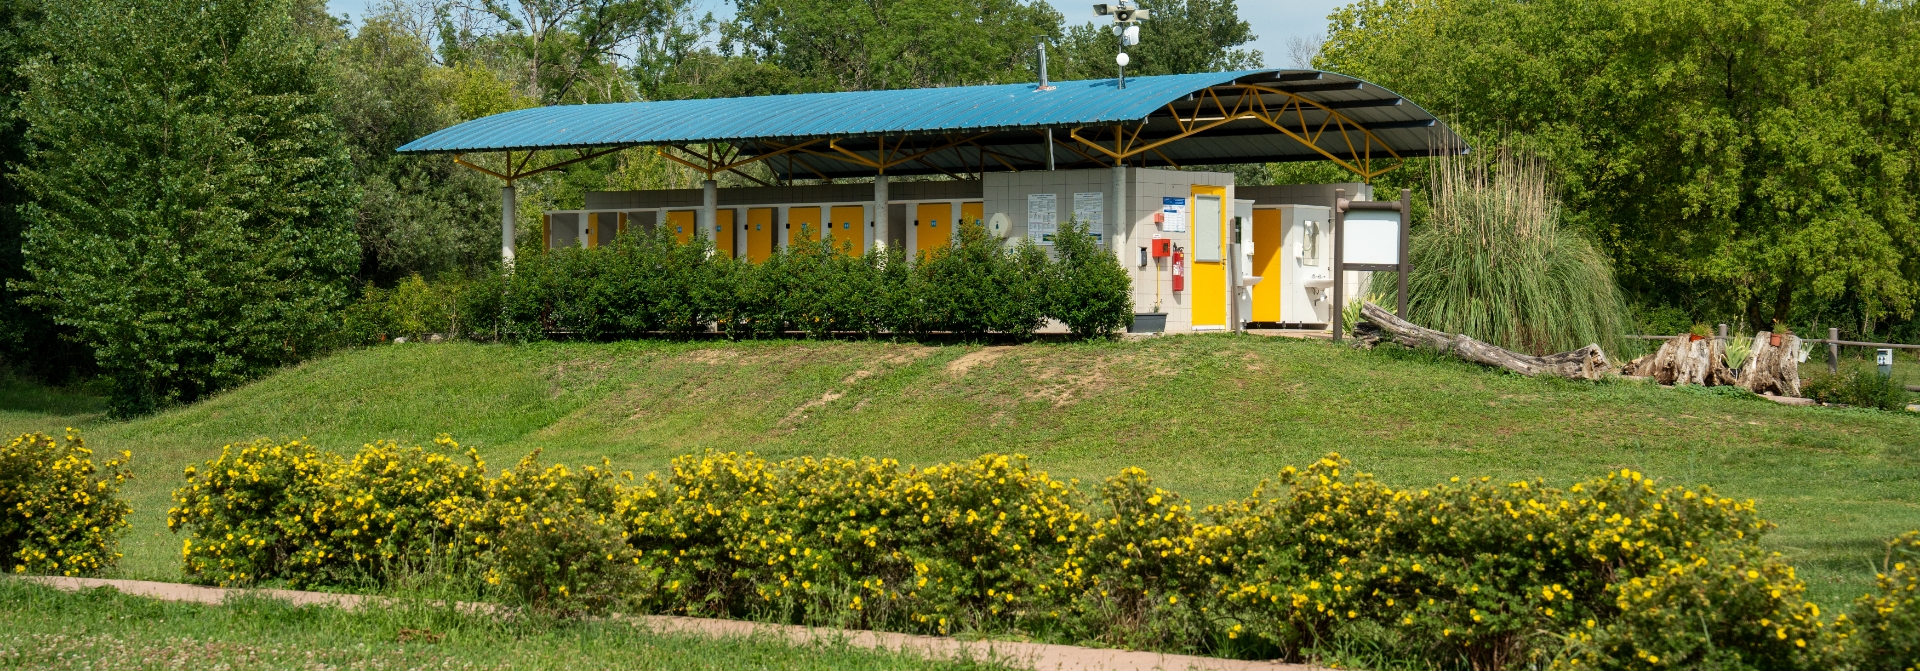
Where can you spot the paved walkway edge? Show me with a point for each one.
(1038, 656)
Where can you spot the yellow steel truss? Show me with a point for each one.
(1360, 144)
(511, 171)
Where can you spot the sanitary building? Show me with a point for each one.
(902, 169)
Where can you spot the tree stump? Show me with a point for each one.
(1685, 360)
(1770, 369)
(1586, 363)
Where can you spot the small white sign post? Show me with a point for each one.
(1369, 236)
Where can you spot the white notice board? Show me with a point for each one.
(1090, 209)
(1042, 222)
(1173, 213)
(1370, 237)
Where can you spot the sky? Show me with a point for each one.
(1273, 20)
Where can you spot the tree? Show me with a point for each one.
(567, 50)
(1737, 157)
(191, 214)
(1180, 36)
(417, 214)
(863, 46)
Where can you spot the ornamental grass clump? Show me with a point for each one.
(1495, 263)
(60, 511)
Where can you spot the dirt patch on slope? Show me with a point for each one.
(984, 356)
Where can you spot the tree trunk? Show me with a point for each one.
(1586, 363)
(1773, 370)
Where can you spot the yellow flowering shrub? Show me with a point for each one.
(1720, 610)
(552, 538)
(1148, 561)
(1478, 570)
(1614, 572)
(293, 512)
(1887, 622)
(60, 512)
(917, 549)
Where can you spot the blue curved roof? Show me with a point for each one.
(968, 130)
(809, 115)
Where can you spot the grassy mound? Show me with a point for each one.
(1209, 416)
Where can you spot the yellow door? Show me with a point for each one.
(803, 224)
(1207, 236)
(760, 233)
(934, 226)
(972, 212)
(593, 230)
(723, 232)
(1268, 236)
(849, 225)
(681, 222)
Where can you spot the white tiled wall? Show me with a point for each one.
(1007, 193)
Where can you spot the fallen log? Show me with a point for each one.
(1586, 363)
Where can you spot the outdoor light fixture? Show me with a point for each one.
(1126, 16)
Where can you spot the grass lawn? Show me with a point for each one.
(1209, 416)
(103, 630)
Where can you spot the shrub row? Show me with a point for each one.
(1612, 573)
(60, 513)
(651, 284)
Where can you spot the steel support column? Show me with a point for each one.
(709, 209)
(508, 210)
(880, 208)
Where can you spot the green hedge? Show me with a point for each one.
(646, 284)
(1615, 572)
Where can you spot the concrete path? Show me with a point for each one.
(1038, 656)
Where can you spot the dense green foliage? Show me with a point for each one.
(853, 46)
(191, 202)
(60, 512)
(1614, 572)
(1743, 160)
(1858, 387)
(648, 283)
(1495, 262)
(1181, 36)
(1088, 290)
(30, 342)
(416, 214)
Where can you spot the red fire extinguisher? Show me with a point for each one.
(1179, 269)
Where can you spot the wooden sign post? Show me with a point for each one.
(1376, 247)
